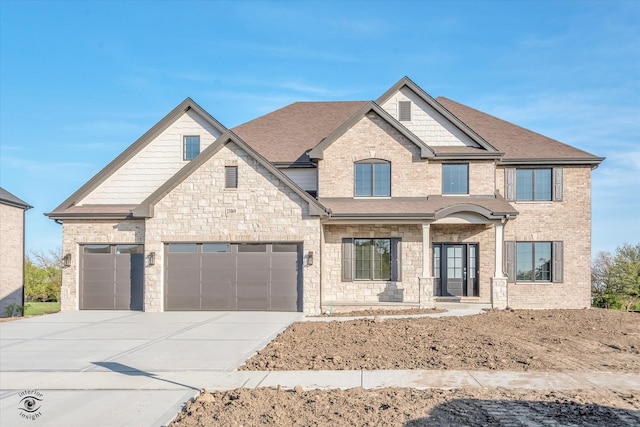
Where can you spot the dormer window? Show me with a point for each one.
(373, 178)
(191, 147)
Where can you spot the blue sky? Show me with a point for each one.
(81, 80)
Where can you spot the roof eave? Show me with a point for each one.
(469, 156)
(553, 161)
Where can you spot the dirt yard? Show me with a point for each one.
(411, 408)
(521, 340)
(554, 340)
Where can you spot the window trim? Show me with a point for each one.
(510, 184)
(184, 147)
(371, 163)
(443, 181)
(348, 259)
(556, 262)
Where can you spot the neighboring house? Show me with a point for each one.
(12, 212)
(403, 201)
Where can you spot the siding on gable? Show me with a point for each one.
(154, 164)
(306, 178)
(426, 123)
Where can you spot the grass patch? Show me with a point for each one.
(36, 308)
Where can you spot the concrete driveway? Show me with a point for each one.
(116, 368)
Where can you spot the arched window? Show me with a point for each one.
(373, 178)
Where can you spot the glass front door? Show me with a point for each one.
(455, 268)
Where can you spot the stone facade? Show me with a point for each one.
(262, 208)
(335, 292)
(12, 256)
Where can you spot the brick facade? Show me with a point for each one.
(12, 259)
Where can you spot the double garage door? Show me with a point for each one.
(233, 276)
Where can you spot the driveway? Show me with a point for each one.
(120, 367)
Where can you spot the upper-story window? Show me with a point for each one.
(373, 178)
(533, 184)
(455, 178)
(191, 147)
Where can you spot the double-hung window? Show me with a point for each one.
(373, 178)
(371, 259)
(534, 261)
(455, 178)
(191, 147)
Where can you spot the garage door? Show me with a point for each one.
(233, 276)
(111, 277)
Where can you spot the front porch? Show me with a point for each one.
(448, 260)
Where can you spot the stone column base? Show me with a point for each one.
(426, 292)
(499, 292)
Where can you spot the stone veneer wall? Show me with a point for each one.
(484, 235)
(262, 208)
(568, 221)
(79, 232)
(359, 292)
(12, 256)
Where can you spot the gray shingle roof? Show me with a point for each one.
(9, 199)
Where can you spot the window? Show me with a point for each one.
(371, 259)
(191, 147)
(404, 111)
(373, 178)
(230, 177)
(533, 184)
(455, 178)
(534, 261)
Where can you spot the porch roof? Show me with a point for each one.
(426, 208)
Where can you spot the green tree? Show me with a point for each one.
(43, 276)
(615, 279)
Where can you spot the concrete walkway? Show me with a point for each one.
(138, 369)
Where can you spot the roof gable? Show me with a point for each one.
(145, 209)
(285, 136)
(405, 82)
(318, 151)
(183, 108)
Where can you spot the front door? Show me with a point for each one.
(455, 269)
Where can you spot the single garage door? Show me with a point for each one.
(111, 277)
(233, 276)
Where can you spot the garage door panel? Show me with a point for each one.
(97, 262)
(260, 276)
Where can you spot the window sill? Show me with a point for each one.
(372, 197)
(535, 283)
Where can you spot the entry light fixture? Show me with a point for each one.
(66, 261)
(310, 258)
(151, 258)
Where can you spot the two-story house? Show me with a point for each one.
(402, 201)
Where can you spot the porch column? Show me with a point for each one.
(499, 288)
(426, 281)
(425, 250)
(499, 245)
